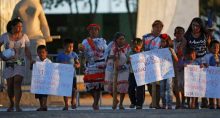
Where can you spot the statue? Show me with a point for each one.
(34, 21)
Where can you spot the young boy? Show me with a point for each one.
(191, 60)
(212, 59)
(42, 57)
(136, 93)
(69, 57)
(179, 80)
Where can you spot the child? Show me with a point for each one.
(212, 59)
(179, 80)
(69, 57)
(42, 57)
(136, 93)
(191, 60)
(166, 85)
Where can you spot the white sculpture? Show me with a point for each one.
(34, 21)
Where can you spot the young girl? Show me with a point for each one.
(136, 93)
(117, 49)
(166, 85)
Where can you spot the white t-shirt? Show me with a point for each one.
(45, 60)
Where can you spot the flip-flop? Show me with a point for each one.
(65, 108)
(95, 107)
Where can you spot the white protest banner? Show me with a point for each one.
(194, 81)
(52, 79)
(152, 66)
(202, 82)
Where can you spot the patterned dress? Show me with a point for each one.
(15, 66)
(95, 63)
(123, 68)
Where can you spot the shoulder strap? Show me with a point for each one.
(91, 43)
(148, 47)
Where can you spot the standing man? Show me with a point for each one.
(93, 49)
(153, 41)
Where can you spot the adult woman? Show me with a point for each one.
(93, 50)
(15, 42)
(153, 41)
(117, 50)
(196, 39)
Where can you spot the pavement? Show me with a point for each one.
(55, 104)
(107, 113)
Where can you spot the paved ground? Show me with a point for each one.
(106, 113)
(30, 104)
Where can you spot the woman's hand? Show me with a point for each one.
(81, 47)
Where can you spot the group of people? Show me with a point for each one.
(103, 63)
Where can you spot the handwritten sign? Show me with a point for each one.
(152, 66)
(52, 79)
(202, 82)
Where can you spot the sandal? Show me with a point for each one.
(73, 106)
(10, 109)
(42, 109)
(132, 106)
(65, 108)
(95, 107)
(121, 107)
(115, 105)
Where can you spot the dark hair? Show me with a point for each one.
(137, 40)
(15, 21)
(9, 27)
(67, 41)
(156, 22)
(190, 51)
(201, 24)
(117, 35)
(168, 40)
(41, 47)
(179, 28)
(214, 42)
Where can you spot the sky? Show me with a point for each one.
(104, 6)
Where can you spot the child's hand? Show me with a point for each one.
(77, 64)
(129, 60)
(206, 65)
(202, 66)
